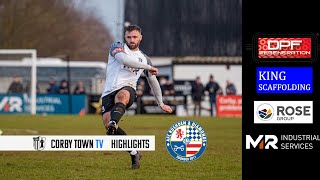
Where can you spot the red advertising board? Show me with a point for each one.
(229, 106)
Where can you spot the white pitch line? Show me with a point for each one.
(28, 131)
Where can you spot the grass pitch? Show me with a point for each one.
(221, 159)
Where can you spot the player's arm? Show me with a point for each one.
(117, 51)
(155, 86)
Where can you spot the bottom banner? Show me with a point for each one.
(76, 143)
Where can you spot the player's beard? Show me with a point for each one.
(133, 46)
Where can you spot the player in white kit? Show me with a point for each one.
(126, 63)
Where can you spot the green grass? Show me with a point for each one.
(221, 159)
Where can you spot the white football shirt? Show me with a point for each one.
(119, 75)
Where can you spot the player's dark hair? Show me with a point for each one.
(132, 28)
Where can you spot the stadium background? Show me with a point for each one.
(184, 39)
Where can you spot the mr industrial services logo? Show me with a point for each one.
(186, 141)
(283, 112)
(11, 103)
(282, 142)
(262, 142)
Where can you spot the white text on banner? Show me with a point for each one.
(76, 143)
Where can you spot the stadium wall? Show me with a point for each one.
(188, 28)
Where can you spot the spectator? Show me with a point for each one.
(197, 96)
(64, 87)
(168, 88)
(53, 87)
(79, 89)
(162, 82)
(16, 86)
(230, 88)
(141, 88)
(213, 88)
(28, 88)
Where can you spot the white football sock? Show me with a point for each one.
(113, 122)
(133, 152)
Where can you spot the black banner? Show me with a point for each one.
(150, 106)
(279, 150)
(183, 87)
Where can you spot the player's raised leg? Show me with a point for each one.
(117, 111)
(106, 120)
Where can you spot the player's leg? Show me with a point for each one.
(214, 110)
(122, 97)
(121, 101)
(196, 110)
(194, 107)
(107, 104)
(211, 105)
(106, 119)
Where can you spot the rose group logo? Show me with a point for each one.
(265, 112)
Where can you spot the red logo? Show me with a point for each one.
(179, 133)
(284, 47)
(116, 50)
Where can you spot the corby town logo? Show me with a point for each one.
(39, 143)
(186, 141)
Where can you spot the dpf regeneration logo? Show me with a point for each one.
(186, 141)
(265, 112)
(285, 47)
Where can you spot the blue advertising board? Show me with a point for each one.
(46, 103)
(284, 80)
